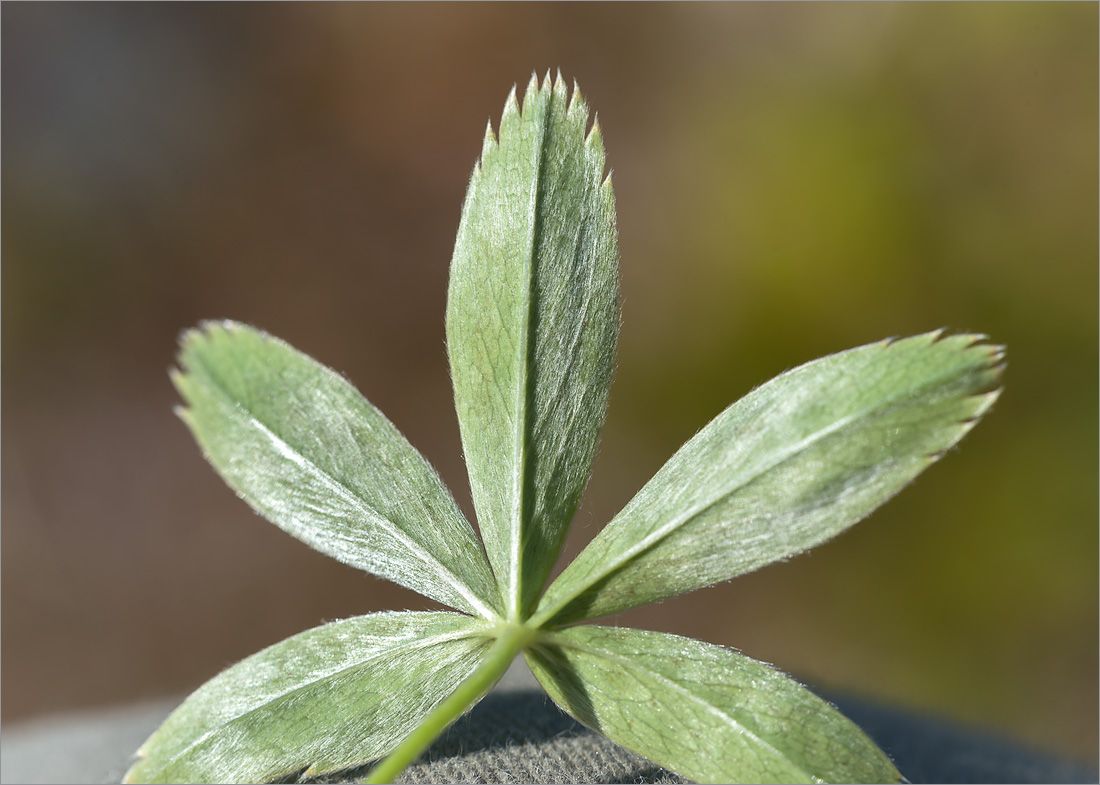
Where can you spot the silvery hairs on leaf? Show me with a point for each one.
(312, 704)
(790, 465)
(297, 442)
(694, 707)
(532, 319)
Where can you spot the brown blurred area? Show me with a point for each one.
(792, 180)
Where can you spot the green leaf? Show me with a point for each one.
(309, 453)
(531, 329)
(326, 699)
(790, 465)
(329, 698)
(705, 712)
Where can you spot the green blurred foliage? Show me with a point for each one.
(791, 180)
(952, 184)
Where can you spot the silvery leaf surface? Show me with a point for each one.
(532, 317)
(330, 698)
(703, 711)
(790, 465)
(297, 442)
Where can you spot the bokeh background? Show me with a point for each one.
(792, 180)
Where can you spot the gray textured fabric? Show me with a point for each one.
(517, 735)
(80, 747)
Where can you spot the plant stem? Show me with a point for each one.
(510, 641)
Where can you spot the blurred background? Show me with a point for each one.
(792, 180)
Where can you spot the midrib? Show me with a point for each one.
(521, 475)
(664, 531)
(296, 457)
(630, 664)
(413, 645)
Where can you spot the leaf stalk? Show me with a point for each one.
(511, 639)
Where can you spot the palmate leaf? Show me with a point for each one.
(326, 699)
(531, 329)
(531, 332)
(705, 712)
(309, 453)
(790, 465)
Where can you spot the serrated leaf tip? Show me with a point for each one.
(511, 104)
(595, 135)
(532, 89)
(577, 104)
